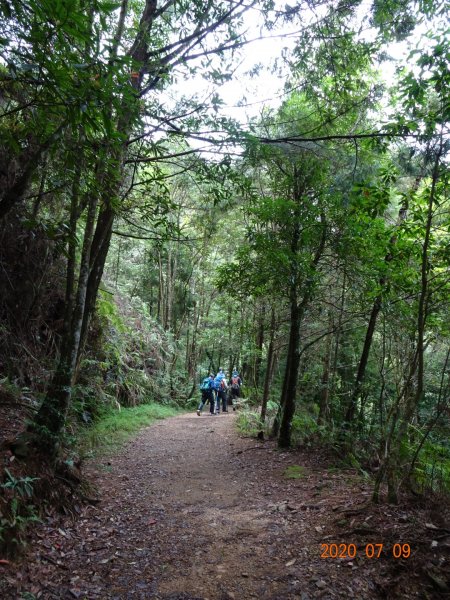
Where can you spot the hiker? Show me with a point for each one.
(235, 385)
(221, 386)
(207, 390)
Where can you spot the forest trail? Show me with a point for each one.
(189, 510)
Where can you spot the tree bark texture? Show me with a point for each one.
(269, 366)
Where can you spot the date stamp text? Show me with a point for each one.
(368, 550)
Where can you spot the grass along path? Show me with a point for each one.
(110, 432)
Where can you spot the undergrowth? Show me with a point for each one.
(430, 473)
(432, 469)
(17, 512)
(305, 430)
(128, 362)
(248, 422)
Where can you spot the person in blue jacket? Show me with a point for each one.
(207, 390)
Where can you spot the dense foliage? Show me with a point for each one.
(147, 238)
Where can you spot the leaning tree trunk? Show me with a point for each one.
(102, 239)
(51, 416)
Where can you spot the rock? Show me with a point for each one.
(321, 584)
(291, 562)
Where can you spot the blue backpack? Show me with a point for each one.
(206, 384)
(217, 382)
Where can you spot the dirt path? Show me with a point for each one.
(191, 511)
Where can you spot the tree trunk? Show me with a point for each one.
(259, 346)
(337, 340)
(100, 247)
(284, 437)
(297, 313)
(277, 420)
(160, 310)
(168, 290)
(351, 409)
(324, 401)
(269, 364)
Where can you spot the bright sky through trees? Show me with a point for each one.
(259, 72)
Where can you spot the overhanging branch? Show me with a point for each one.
(345, 137)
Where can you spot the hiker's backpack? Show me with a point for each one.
(205, 385)
(223, 385)
(218, 382)
(235, 383)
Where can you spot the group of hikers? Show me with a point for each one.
(217, 391)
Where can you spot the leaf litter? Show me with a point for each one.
(189, 515)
